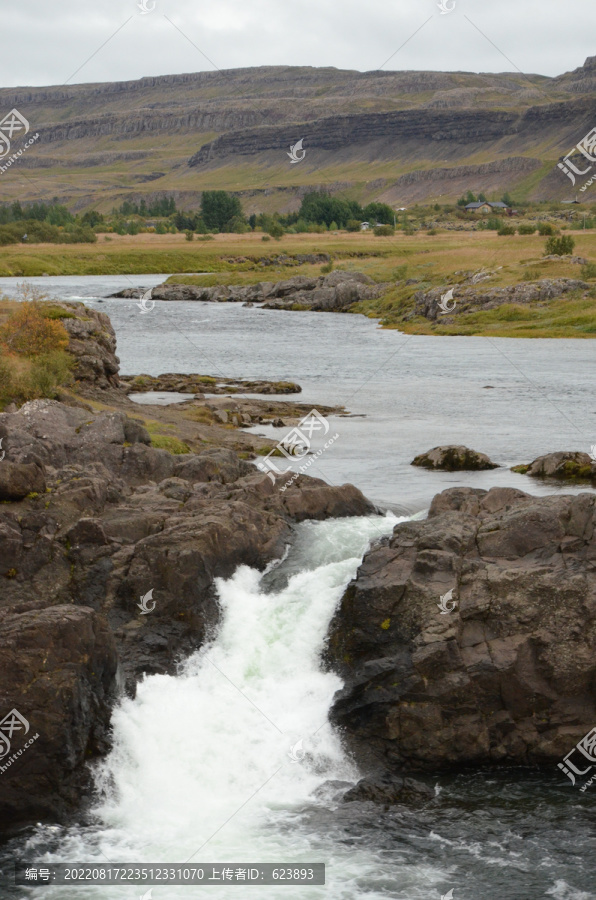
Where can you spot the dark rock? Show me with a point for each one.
(508, 676)
(19, 479)
(388, 789)
(453, 458)
(58, 670)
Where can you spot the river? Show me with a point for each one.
(203, 767)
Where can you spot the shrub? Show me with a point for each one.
(526, 229)
(506, 229)
(562, 246)
(275, 231)
(265, 237)
(328, 267)
(353, 225)
(545, 228)
(383, 230)
(588, 271)
(29, 332)
(189, 235)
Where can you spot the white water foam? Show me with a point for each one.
(202, 766)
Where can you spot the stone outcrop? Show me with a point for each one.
(92, 342)
(470, 638)
(454, 458)
(336, 291)
(473, 299)
(564, 465)
(114, 519)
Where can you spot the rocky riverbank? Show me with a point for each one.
(326, 293)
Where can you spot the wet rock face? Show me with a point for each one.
(58, 670)
(113, 521)
(470, 638)
(453, 458)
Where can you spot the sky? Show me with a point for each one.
(76, 41)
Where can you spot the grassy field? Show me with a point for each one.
(427, 261)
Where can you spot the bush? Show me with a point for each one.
(28, 332)
(562, 246)
(189, 235)
(275, 231)
(545, 228)
(527, 229)
(588, 271)
(265, 237)
(506, 229)
(353, 225)
(327, 268)
(383, 230)
(21, 381)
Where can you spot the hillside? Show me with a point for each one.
(401, 137)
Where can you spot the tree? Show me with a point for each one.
(379, 212)
(252, 221)
(218, 207)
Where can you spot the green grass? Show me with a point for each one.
(169, 443)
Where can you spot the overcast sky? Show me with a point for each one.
(78, 41)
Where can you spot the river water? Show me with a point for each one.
(202, 766)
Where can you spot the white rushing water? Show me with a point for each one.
(201, 768)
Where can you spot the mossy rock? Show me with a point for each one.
(454, 458)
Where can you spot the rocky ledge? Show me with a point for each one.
(470, 298)
(470, 638)
(334, 292)
(104, 520)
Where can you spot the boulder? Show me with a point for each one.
(453, 458)
(470, 638)
(17, 480)
(565, 465)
